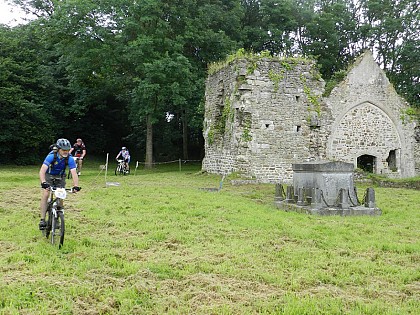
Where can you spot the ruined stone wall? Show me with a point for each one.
(368, 120)
(264, 115)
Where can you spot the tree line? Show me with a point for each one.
(132, 73)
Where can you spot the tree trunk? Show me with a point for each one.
(184, 135)
(149, 143)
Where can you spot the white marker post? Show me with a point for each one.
(106, 169)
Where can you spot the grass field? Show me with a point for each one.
(159, 244)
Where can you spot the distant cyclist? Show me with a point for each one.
(78, 151)
(53, 172)
(125, 156)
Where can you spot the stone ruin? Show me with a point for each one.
(325, 188)
(264, 115)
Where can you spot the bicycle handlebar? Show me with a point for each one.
(53, 188)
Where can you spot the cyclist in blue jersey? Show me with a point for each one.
(126, 157)
(53, 172)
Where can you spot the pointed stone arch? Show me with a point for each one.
(365, 129)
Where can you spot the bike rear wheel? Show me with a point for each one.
(58, 229)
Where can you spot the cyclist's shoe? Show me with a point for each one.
(42, 225)
(79, 173)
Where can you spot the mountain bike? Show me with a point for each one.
(121, 168)
(55, 215)
(76, 159)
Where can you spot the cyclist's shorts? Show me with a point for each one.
(55, 180)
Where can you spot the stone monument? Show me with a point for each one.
(325, 188)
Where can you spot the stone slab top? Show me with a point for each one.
(323, 166)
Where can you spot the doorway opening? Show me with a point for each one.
(367, 163)
(392, 160)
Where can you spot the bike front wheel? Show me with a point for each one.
(58, 229)
(48, 219)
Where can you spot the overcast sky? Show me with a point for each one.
(10, 15)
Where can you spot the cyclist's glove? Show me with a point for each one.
(45, 185)
(76, 188)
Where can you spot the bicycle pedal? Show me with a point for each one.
(42, 225)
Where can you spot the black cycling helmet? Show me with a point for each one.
(63, 144)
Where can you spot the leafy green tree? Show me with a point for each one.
(80, 49)
(165, 49)
(23, 98)
(406, 74)
(393, 29)
(208, 31)
(109, 71)
(158, 91)
(390, 24)
(268, 25)
(331, 34)
(88, 49)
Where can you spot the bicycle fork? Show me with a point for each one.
(55, 209)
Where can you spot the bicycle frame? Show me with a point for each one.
(55, 198)
(121, 168)
(76, 160)
(55, 213)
